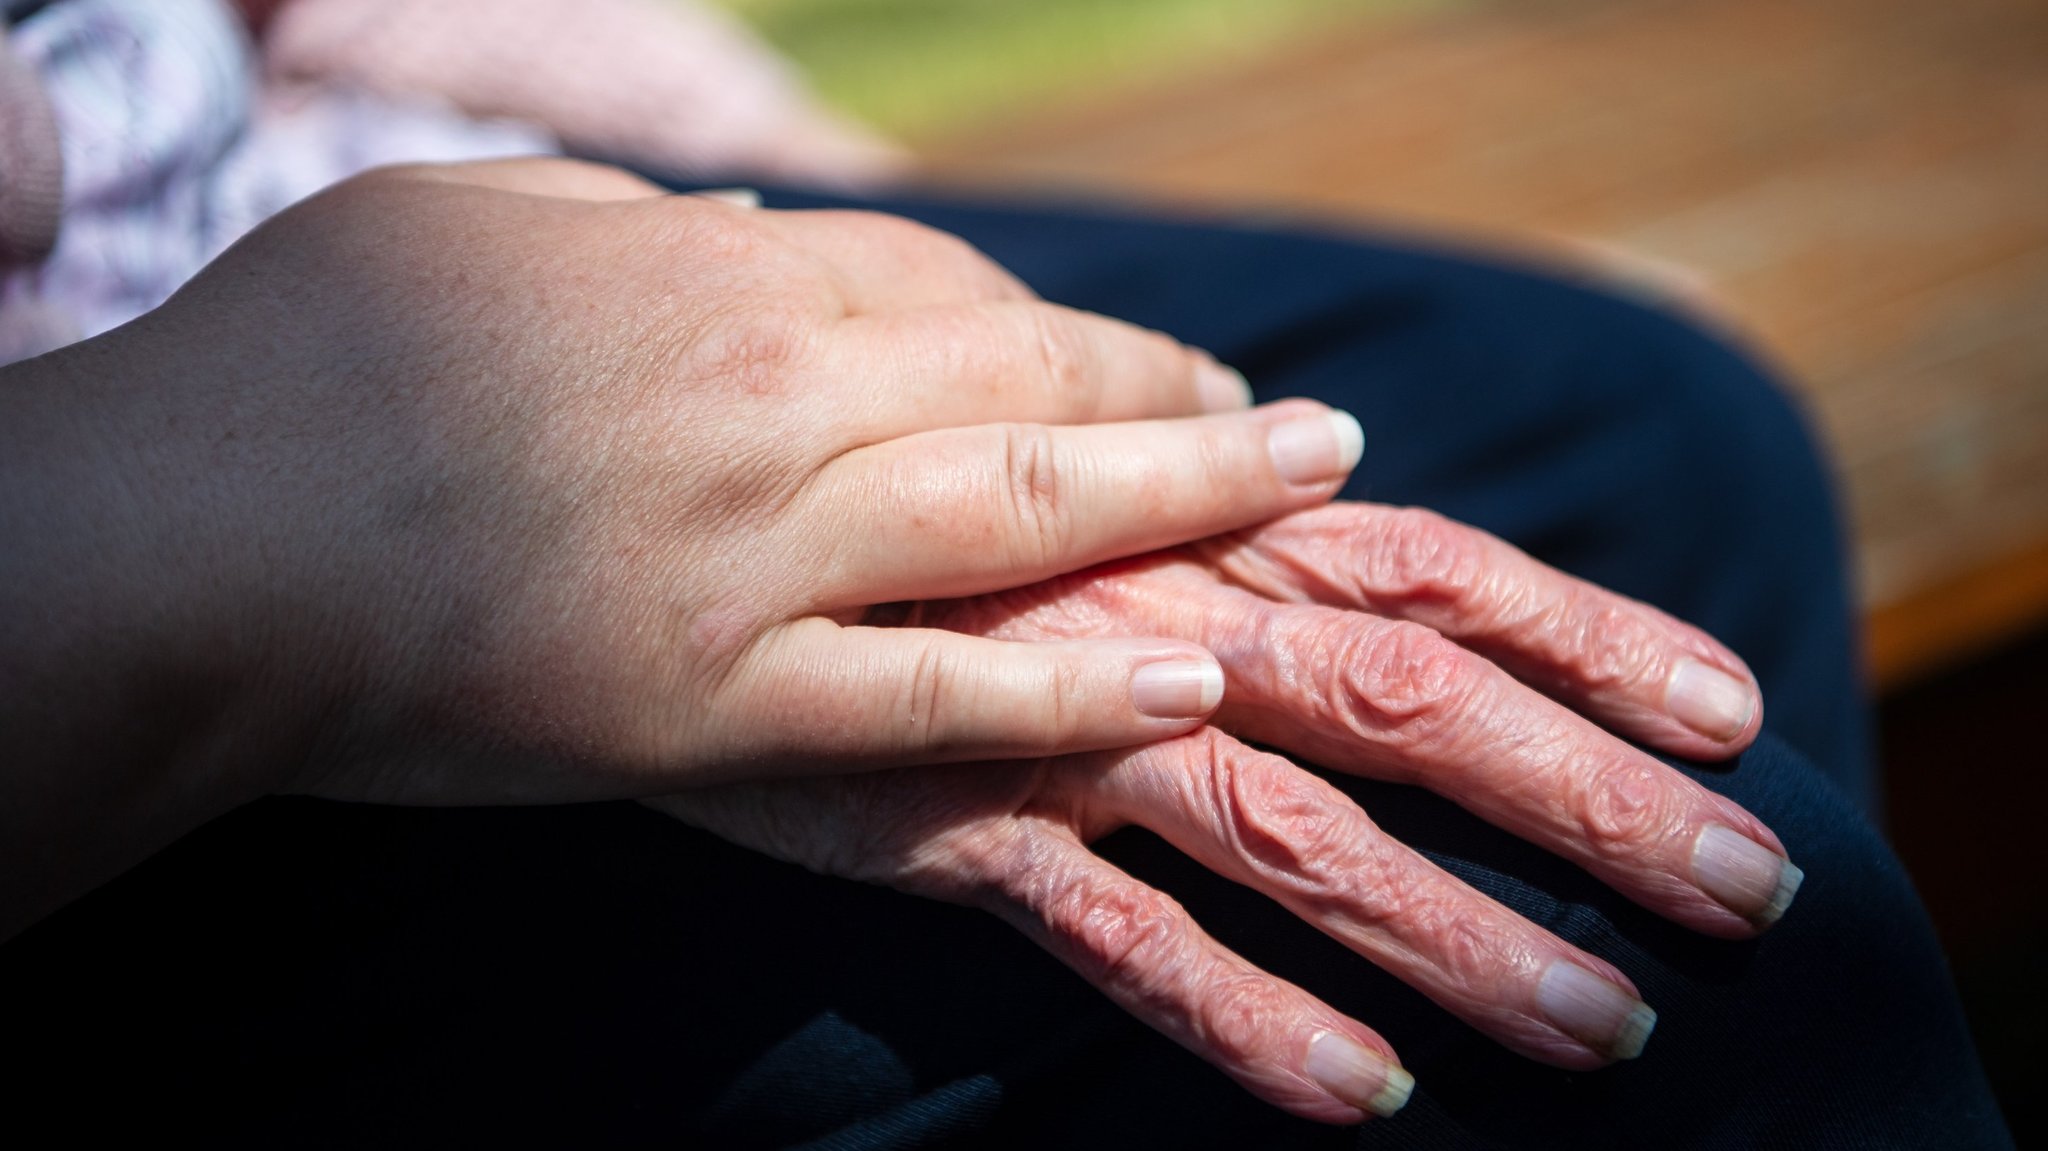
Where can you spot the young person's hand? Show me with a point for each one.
(523, 482)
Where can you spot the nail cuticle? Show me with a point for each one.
(1710, 701)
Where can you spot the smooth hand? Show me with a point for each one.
(524, 482)
(1387, 643)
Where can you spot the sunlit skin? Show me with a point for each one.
(522, 483)
(1351, 635)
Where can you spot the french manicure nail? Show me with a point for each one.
(1177, 688)
(1594, 1011)
(1316, 449)
(1710, 701)
(1221, 387)
(1358, 1075)
(1743, 875)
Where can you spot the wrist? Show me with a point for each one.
(120, 689)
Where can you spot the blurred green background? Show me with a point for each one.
(923, 68)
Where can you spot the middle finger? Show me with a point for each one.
(1398, 701)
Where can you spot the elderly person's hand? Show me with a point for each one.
(1390, 643)
(524, 482)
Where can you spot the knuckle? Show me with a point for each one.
(1217, 459)
(1240, 1015)
(1420, 555)
(1624, 812)
(1037, 507)
(1310, 843)
(1468, 950)
(1403, 681)
(732, 238)
(1066, 360)
(758, 355)
(928, 698)
(1130, 939)
(1608, 646)
(1287, 823)
(1065, 688)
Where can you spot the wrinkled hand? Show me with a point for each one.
(1389, 643)
(524, 482)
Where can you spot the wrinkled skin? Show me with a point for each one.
(1369, 639)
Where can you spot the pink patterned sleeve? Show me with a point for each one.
(664, 84)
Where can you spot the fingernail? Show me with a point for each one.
(1221, 387)
(1177, 688)
(1710, 701)
(1358, 1075)
(1594, 1011)
(1318, 448)
(737, 197)
(1746, 877)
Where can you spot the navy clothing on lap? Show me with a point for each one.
(312, 973)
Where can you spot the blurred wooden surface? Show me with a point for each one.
(1860, 186)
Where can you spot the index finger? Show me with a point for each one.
(959, 511)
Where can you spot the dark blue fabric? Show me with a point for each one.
(302, 973)
(830, 1074)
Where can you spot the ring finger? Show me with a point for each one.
(1261, 821)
